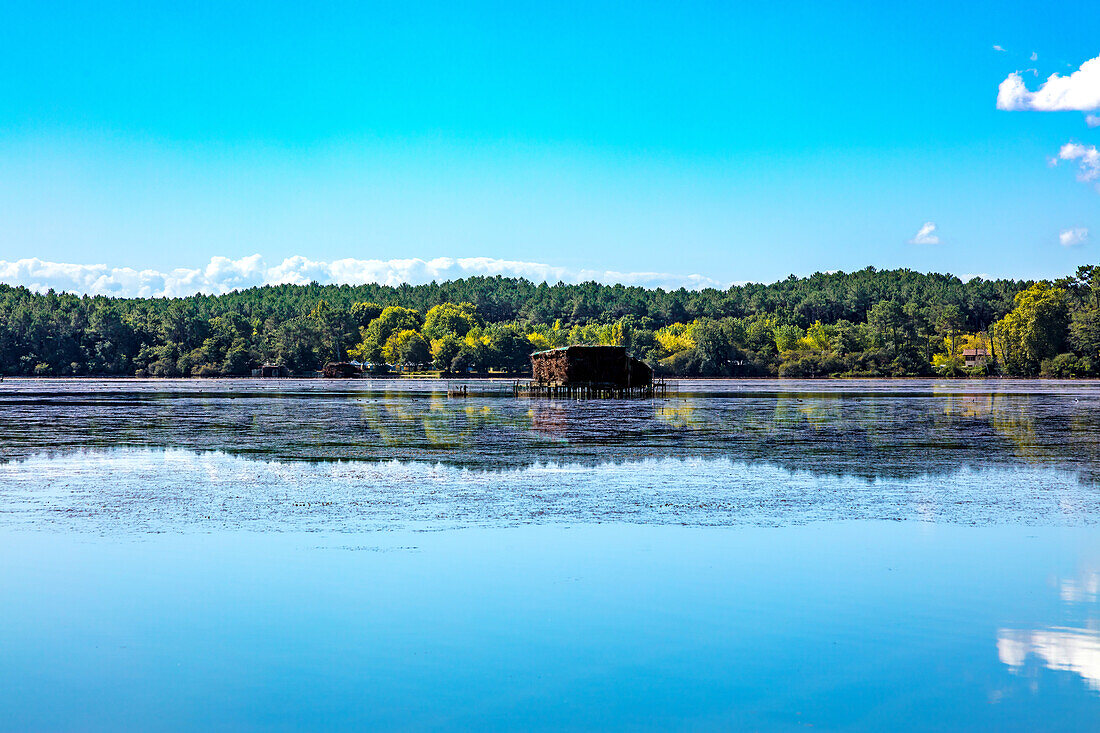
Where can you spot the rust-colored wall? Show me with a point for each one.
(552, 366)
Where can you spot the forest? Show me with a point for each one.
(866, 323)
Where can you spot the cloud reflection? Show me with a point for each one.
(1063, 649)
(1084, 590)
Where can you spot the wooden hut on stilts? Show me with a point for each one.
(589, 372)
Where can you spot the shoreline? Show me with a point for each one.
(503, 378)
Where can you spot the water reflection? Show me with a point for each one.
(135, 489)
(866, 429)
(1083, 590)
(844, 626)
(1067, 648)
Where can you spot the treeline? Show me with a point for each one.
(870, 323)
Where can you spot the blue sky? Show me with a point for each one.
(737, 142)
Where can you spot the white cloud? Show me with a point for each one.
(1073, 237)
(997, 47)
(926, 234)
(1079, 91)
(221, 275)
(1087, 157)
(1092, 120)
(1034, 56)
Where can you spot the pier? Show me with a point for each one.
(590, 391)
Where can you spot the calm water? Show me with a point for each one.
(281, 555)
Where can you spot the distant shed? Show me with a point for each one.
(341, 370)
(974, 357)
(271, 370)
(589, 365)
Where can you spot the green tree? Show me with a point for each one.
(363, 313)
(237, 362)
(713, 346)
(819, 337)
(407, 348)
(1035, 329)
(1084, 332)
(787, 337)
(393, 319)
(887, 319)
(444, 351)
(949, 323)
(509, 348)
(450, 318)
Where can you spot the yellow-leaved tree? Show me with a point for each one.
(1035, 329)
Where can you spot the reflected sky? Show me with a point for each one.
(861, 626)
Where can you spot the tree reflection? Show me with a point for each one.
(868, 434)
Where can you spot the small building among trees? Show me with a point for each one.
(271, 370)
(974, 357)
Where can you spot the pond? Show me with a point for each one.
(370, 554)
